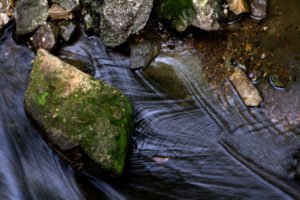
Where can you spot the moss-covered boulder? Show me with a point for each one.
(75, 109)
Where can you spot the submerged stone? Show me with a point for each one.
(75, 109)
(30, 14)
(245, 88)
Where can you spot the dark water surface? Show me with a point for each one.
(188, 143)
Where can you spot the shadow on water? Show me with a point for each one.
(190, 141)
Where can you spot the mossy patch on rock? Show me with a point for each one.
(75, 109)
(203, 14)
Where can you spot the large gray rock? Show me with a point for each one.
(120, 18)
(117, 18)
(75, 109)
(30, 14)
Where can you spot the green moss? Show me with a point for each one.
(122, 143)
(120, 155)
(98, 120)
(177, 12)
(42, 99)
(171, 9)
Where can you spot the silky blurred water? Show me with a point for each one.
(189, 142)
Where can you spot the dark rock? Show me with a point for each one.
(258, 9)
(75, 109)
(30, 14)
(45, 37)
(91, 15)
(144, 51)
(66, 29)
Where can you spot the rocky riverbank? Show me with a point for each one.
(235, 39)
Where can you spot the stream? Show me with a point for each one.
(189, 142)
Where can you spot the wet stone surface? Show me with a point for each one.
(66, 30)
(120, 18)
(143, 51)
(55, 96)
(45, 37)
(30, 14)
(258, 9)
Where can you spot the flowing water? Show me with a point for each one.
(190, 141)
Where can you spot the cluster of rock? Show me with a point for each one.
(74, 109)
(116, 20)
(206, 14)
(45, 22)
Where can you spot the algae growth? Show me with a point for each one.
(75, 109)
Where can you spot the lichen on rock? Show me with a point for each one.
(75, 109)
(118, 19)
